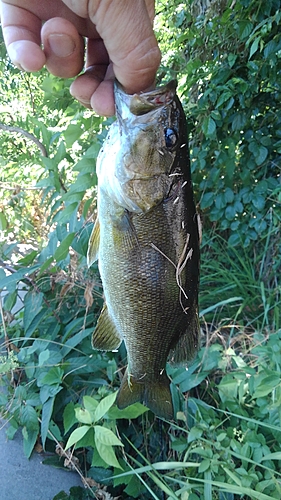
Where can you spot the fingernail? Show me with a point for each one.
(61, 45)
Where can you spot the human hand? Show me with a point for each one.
(119, 43)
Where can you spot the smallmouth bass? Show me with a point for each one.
(146, 240)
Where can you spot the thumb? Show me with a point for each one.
(128, 36)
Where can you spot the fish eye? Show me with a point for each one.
(170, 137)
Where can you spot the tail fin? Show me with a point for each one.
(155, 394)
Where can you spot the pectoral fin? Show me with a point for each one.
(105, 336)
(94, 243)
(124, 232)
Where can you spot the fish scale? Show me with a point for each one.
(146, 240)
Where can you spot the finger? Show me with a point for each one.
(85, 85)
(21, 32)
(63, 47)
(126, 30)
(102, 100)
(94, 89)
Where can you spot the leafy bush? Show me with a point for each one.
(227, 61)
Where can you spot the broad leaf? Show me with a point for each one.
(106, 436)
(76, 435)
(104, 406)
(108, 455)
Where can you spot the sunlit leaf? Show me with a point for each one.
(104, 406)
(76, 435)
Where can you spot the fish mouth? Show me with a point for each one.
(143, 103)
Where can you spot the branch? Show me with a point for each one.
(18, 130)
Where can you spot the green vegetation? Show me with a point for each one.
(225, 440)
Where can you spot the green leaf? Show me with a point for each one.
(3, 222)
(207, 200)
(224, 96)
(29, 258)
(245, 29)
(204, 465)
(229, 195)
(107, 454)
(54, 376)
(104, 406)
(83, 416)
(254, 46)
(10, 300)
(69, 418)
(29, 418)
(11, 431)
(268, 384)
(238, 121)
(209, 127)
(55, 431)
(62, 251)
(76, 435)
(83, 182)
(87, 441)
(64, 215)
(43, 357)
(47, 410)
(32, 306)
(132, 411)
(106, 436)
(37, 320)
(90, 404)
(261, 155)
(72, 133)
(258, 201)
(86, 165)
(29, 440)
(270, 48)
(230, 212)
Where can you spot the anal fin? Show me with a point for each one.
(105, 336)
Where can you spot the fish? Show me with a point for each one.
(146, 240)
